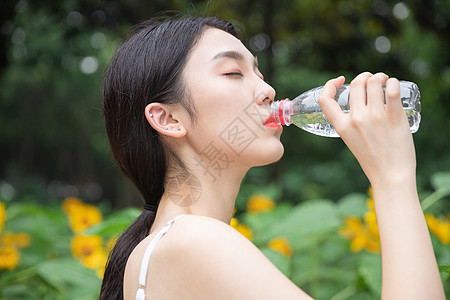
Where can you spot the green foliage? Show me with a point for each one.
(51, 128)
(303, 226)
(320, 260)
(69, 278)
(47, 269)
(115, 223)
(370, 271)
(440, 181)
(322, 263)
(352, 204)
(51, 124)
(444, 268)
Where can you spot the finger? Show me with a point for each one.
(330, 108)
(375, 94)
(358, 92)
(393, 102)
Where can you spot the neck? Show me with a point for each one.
(201, 193)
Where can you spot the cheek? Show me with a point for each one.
(217, 107)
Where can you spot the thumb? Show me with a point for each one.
(329, 106)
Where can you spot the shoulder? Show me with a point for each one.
(203, 229)
(198, 235)
(212, 260)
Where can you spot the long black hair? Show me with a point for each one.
(146, 68)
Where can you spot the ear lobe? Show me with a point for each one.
(162, 120)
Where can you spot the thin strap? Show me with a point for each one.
(140, 295)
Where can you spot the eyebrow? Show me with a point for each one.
(234, 55)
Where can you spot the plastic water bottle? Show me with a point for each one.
(305, 112)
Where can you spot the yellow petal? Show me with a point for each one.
(70, 204)
(9, 257)
(2, 215)
(353, 225)
(234, 222)
(260, 203)
(281, 245)
(95, 260)
(245, 231)
(358, 243)
(84, 217)
(20, 240)
(83, 245)
(373, 246)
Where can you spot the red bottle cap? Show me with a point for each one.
(280, 112)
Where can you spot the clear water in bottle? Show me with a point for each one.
(305, 112)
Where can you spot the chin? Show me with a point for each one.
(267, 155)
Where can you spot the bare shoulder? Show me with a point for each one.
(212, 260)
(199, 234)
(203, 229)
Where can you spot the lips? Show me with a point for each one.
(271, 122)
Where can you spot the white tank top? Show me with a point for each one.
(140, 295)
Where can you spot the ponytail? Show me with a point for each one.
(112, 287)
(146, 68)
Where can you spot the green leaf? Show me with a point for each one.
(70, 278)
(370, 271)
(279, 260)
(17, 291)
(261, 222)
(48, 229)
(115, 223)
(334, 250)
(441, 181)
(352, 205)
(444, 269)
(24, 211)
(302, 269)
(305, 224)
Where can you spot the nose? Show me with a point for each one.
(266, 94)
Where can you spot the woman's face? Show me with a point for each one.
(231, 102)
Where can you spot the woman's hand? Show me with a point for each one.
(379, 136)
(377, 133)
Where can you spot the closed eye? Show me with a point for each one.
(234, 74)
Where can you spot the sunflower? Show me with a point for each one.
(260, 203)
(242, 228)
(84, 216)
(71, 204)
(20, 240)
(281, 245)
(439, 227)
(85, 245)
(9, 257)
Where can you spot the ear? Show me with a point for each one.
(162, 118)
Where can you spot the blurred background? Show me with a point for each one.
(63, 201)
(53, 55)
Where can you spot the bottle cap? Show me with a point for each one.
(284, 112)
(280, 112)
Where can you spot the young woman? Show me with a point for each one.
(179, 102)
